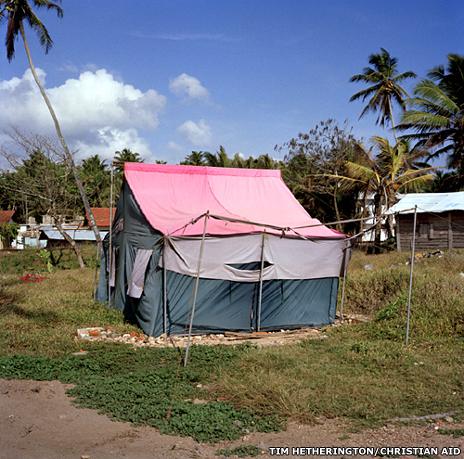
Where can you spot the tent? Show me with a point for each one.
(234, 245)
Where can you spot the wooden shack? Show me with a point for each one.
(440, 220)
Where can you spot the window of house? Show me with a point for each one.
(424, 229)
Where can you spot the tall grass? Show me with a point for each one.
(437, 300)
(42, 318)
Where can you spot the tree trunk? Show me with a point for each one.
(68, 155)
(364, 210)
(392, 121)
(72, 243)
(378, 225)
(390, 200)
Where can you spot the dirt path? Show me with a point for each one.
(38, 421)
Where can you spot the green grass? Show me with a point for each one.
(42, 318)
(361, 373)
(455, 433)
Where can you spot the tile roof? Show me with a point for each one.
(6, 216)
(102, 216)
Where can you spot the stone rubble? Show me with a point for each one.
(260, 338)
(139, 339)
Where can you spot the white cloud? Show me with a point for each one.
(175, 146)
(68, 67)
(188, 86)
(198, 134)
(98, 114)
(108, 140)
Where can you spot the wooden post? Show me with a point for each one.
(411, 271)
(260, 292)
(195, 291)
(450, 231)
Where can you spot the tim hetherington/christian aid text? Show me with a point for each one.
(451, 451)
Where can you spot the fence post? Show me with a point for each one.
(411, 271)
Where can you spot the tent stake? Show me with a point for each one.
(411, 270)
(195, 290)
(110, 245)
(165, 297)
(260, 292)
(345, 269)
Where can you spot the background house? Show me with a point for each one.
(368, 237)
(440, 220)
(102, 217)
(6, 216)
(54, 238)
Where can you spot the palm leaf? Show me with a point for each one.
(420, 120)
(44, 37)
(428, 90)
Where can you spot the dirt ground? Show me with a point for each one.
(39, 421)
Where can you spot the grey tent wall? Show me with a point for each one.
(222, 305)
(136, 233)
(226, 305)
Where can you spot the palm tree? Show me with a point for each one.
(16, 12)
(394, 169)
(437, 113)
(96, 179)
(196, 158)
(219, 159)
(384, 87)
(125, 155)
(240, 162)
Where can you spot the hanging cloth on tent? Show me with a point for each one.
(111, 267)
(137, 279)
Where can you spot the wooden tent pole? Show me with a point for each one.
(345, 269)
(411, 271)
(260, 292)
(195, 291)
(110, 245)
(165, 291)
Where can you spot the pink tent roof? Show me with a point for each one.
(171, 197)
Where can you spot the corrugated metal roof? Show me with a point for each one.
(77, 235)
(429, 202)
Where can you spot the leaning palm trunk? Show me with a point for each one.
(68, 155)
(337, 211)
(72, 243)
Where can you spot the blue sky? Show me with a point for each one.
(256, 72)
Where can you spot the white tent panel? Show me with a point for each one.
(285, 258)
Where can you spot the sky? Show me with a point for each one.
(166, 77)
